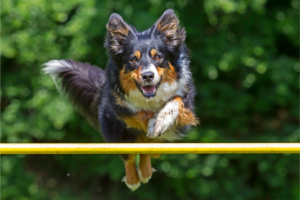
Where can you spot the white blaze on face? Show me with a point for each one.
(152, 68)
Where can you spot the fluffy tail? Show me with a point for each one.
(83, 84)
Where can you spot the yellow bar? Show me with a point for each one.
(150, 148)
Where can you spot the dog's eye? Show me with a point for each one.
(157, 57)
(134, 59)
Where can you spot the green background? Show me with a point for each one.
(245, 66)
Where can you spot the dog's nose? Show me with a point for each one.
(148, 76)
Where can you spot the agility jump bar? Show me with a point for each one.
(150, 148)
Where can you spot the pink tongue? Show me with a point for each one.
(149, 89)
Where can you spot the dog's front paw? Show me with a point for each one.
(164, 120)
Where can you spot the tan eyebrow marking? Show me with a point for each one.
(153, 52)
(137, 54)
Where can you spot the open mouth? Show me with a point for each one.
(148, 90)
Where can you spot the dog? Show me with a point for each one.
(146, 93)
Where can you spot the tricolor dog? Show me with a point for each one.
(145, 94)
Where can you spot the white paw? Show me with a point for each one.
(164, 120)
(145, 180)
(142, 179)
(131, 187)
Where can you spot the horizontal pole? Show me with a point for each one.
(150, 148)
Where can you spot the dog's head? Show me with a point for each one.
(146, 60)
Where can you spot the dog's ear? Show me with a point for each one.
(118, 34)
(167, 26)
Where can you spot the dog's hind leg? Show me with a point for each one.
(131, 179)
(145, 170)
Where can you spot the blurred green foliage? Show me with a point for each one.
(245, 66)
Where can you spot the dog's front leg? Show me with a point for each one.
(173, 115)
(164, 119)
